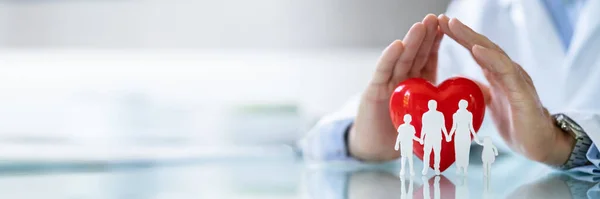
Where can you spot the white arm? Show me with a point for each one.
(473, 131)
(415, 138)
(453, 126)
(326, 139)
(397, 146)
(444, 127)
(495, 150)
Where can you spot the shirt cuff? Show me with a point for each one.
(589, 122)
(327, 141)
(593, 155)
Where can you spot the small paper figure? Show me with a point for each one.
(431, 132)
(406, 194)
(462, 125)
(406, 135)
(488, 156)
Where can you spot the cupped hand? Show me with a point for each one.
(373, 133)
(521, 119)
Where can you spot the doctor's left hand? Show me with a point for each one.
(521, 119)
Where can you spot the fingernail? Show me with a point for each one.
(460, 26)
(443, 16)
(458, 21)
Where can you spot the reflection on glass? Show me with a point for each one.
(558, 186)
(382, 183)
(442, 188)
(462, 188)
(406, 193)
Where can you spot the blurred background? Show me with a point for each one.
(184, 72)
(105, 81)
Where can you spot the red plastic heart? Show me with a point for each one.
(412, 96)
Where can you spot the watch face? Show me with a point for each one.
(572, 124)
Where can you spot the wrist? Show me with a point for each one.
(578, 141)
(372, 136)
(561, 149)
(369, 149)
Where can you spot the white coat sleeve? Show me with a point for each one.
(326, 141)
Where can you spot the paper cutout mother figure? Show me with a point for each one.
(406, 135)
(462, 125)
(432, 127)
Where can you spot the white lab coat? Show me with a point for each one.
(567, 82)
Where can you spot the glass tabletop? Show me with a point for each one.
(292, 177)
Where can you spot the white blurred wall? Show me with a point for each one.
(209, 23)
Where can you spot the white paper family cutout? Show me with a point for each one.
(406, 135)
(432, 128)
(431, 137)
(463, 127)
(488, 156)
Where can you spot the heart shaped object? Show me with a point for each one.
(412, 97)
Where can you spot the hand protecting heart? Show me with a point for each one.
(457, 102)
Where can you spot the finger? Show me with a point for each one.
(386, 63)
(443, 22)
(528, 80)
(431, 25)
(412, 41)
(468, 38)
(524, 74)
(429, 71)
(503, 71)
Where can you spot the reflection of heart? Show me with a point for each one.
(412, 96)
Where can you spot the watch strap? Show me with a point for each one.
(583, 142)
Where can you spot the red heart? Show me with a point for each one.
(412, 97)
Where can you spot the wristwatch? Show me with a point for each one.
(582, 141)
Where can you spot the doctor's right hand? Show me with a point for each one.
(520, 117)
(372, 134)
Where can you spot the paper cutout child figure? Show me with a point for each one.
(406, 135)
(488, 156)
(406, 194)
(462, 125)
(431, 132)
(436, 188)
